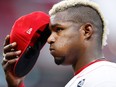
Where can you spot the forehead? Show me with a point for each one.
(58, 18)
(64, 19)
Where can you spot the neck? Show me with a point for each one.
(89, 56)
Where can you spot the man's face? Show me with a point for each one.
(65, 40)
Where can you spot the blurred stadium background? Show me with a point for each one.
(45, 73)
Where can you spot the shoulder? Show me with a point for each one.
(100, 74)
(103, 75)
(101, 69)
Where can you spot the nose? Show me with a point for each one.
(51, 39)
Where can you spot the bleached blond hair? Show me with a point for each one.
(65, 4)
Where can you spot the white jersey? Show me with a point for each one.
(97, 74)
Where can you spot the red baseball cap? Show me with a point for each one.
(30, 32)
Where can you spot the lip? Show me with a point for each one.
(52, 51)
(51, 48)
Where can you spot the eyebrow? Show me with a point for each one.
(54, 25)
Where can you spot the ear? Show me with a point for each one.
(87, 30)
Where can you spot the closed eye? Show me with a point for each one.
(58, 29)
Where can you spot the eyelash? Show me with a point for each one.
(58, 29)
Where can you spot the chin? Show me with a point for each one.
(59, 60)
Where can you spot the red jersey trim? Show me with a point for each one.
(21, 85)
(88, 65)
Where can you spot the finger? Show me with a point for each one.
(4, 61)
(9, 47)
(7, 40)
(9, 65)
(12, 55)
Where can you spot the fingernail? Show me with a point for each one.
(7, 35)
(14, 43)
(18, 52)
(16, 59)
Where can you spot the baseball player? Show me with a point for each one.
(78, 35)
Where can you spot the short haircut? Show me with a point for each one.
(89, 7)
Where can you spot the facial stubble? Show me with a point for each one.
(59, 60)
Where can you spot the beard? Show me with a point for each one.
(60, 60)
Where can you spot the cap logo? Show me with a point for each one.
(29, 31)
